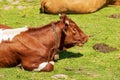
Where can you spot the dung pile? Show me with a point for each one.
(114, 16)
(104, 48)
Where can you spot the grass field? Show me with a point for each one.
(86, 63)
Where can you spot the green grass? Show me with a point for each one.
(87, 63)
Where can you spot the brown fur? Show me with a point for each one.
(4, 26)
(114, 2)
(74, 6)
(37, 45)
(71, 6)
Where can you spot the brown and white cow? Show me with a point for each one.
(34, 48)
(74, 6)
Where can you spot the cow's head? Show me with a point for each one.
(113, 2)
(74, 35)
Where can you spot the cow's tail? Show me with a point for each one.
(42, 8)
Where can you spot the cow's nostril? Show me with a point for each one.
(85, 39)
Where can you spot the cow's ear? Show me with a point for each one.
(62, 16)
(59, 14)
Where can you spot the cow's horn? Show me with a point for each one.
(67, 22)
(64, 31)
(60, 14)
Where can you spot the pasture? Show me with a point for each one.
(78, 63)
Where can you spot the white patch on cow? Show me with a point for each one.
(52, 62)
(43, 65)
(9, 34)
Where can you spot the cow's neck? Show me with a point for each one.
(61, 45)
(55, 36)
(58, 35)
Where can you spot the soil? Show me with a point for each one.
(59, 76)
(114, 16)
(69, 69)
(104, 48)
(118, 56)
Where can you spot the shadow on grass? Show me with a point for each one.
(67, 54)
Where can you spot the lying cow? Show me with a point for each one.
(74, 6)
(34, 48)
(71, 6)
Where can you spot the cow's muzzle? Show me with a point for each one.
(81, 43)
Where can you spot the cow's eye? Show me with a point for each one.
(74, 29)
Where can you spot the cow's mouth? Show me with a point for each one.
(80, 44)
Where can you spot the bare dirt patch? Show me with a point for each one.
(118, 56)
(114, 16)
(59, 76)
(104, 48)
(69, 69)
(2, 76)
(92, 74)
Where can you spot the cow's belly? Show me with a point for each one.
(85, 6)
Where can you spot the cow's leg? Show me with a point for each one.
(44, 66)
